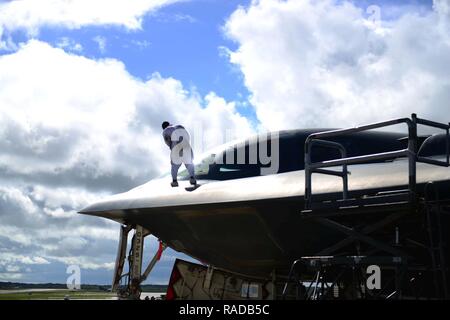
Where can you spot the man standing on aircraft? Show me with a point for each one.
(177, 139)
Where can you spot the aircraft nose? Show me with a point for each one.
(89, 209)
(109, 204)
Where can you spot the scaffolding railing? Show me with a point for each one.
(410, 152)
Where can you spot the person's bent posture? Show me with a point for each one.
(177, 139)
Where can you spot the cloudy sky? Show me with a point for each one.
(85, 84)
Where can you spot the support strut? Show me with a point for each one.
(132, 288)
(121, 255)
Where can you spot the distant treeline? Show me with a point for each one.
(89, 287)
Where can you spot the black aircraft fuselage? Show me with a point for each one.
(248, 223)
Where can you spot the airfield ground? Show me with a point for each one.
(55, 295)
(60, 294)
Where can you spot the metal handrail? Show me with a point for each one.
(316, 168)
(438, 125)
(410, 152)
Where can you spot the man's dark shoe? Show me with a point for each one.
(192, 181)
(174, 183)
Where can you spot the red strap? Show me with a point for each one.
(160, 251)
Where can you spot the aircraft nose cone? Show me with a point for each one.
(88, 209)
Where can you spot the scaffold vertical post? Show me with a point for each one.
(120, 259)
(308, 190)
(412, 155)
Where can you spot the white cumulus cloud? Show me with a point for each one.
(31, 15)
(101, 42)
(69, 120)
(74, 129)
(325, 63)
(69, 44)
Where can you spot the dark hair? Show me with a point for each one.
(165, 124)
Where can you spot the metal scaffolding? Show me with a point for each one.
(403, 231)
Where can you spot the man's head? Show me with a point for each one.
(165, 124)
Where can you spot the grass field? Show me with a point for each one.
(56, 295)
